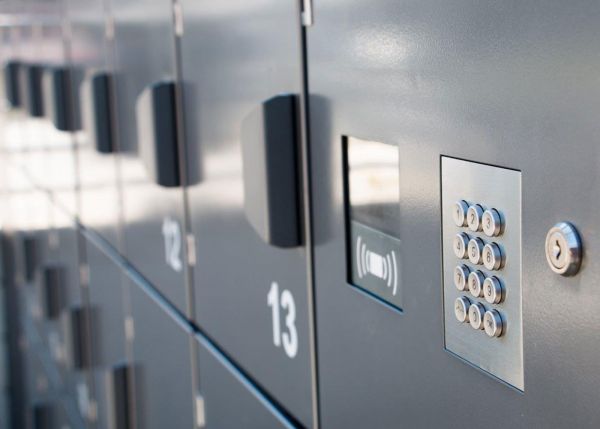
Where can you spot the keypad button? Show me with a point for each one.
(492, 256)
(475, 283)
(461, 309)
(461, 273)
(476, 312)
(492, 290)
(492, 223)
(493, 324)
(474, 249)
(460, 243)
(474, 214)
(459, 213)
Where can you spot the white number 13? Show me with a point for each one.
(289, 339)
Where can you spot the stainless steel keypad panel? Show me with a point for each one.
(481, 239)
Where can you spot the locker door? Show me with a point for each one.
(242, 69)
(91, 57)
(107, 307)
(508, 88)
(227, 399)
(152, 200)
(161, 365)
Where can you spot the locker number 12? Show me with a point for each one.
(285, 303)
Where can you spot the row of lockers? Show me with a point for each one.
(113, 354)
(95, 122)
(188, 168)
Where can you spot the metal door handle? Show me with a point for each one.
(76, 323)
(30, 256)
(98, 95)
(119, 379)
(11, 83)
(52, 293)
(157, 133)
(269, 153)
(31, 75)
(63, 107)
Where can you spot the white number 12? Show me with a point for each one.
(289, 339)
(172, 235)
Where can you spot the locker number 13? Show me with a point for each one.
(284, 303)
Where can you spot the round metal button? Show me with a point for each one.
(476, 312)
(474, 214)
(492, 290)
(492, 223)
(492, 256)
(474, 248)
(461, 241)
(461, 272)
(459, 213)
(461, 309)
(475, 281)
(492, 323)
(564, 249)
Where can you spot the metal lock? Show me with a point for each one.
(563, 249)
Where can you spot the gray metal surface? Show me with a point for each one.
(235, 55)
(511, 84)
(154, 219)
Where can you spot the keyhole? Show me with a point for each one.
(556, 250)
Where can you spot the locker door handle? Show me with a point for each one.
(11, 83)
(97, 96)
(52, 291)
(43, 416)
(63, 107)
(157, 133)
(269, 154)
(76, 323)
(31, 75)
(30, 256)
(120, 396)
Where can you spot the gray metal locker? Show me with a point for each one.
(154, 231)
(508, 88)
(242, 83)
(162, 367)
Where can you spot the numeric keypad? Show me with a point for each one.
(488, 222)
(482, 266)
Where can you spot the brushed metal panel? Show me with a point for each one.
(499, 188)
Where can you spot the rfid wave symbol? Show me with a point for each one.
(383, 267)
